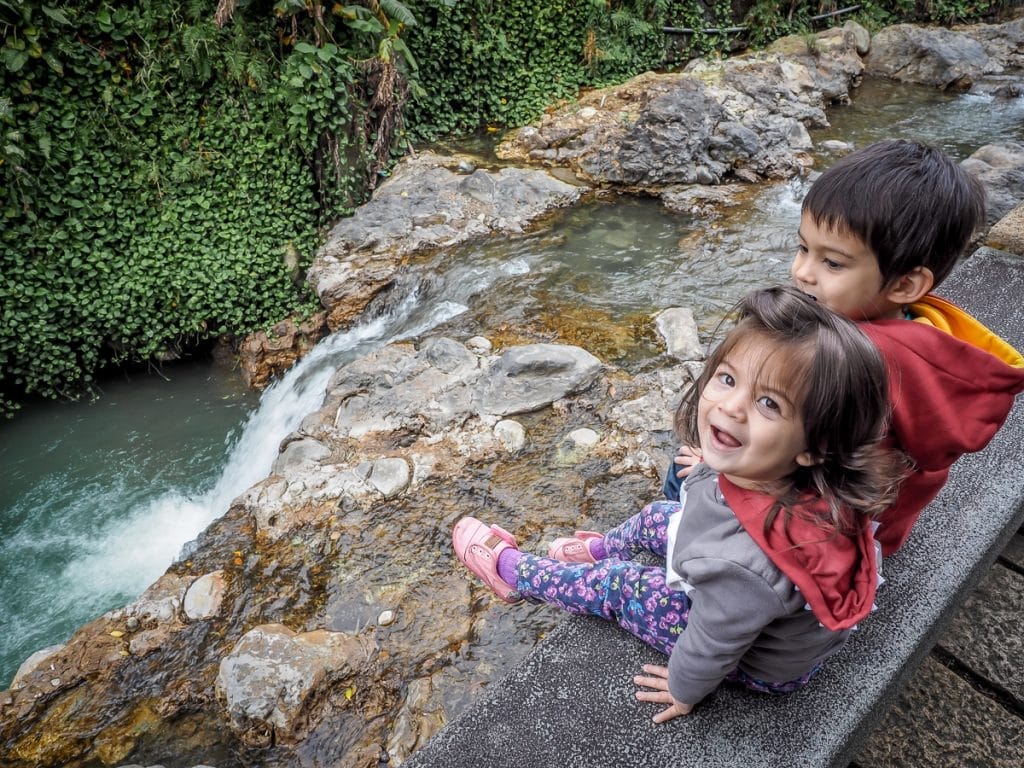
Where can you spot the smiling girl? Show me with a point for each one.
(769, 555)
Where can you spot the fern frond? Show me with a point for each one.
(398, 11)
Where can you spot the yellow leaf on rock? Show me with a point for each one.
(117, 633)
(349, 693)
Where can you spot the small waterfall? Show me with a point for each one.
(134, 552)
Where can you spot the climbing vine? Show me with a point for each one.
(169, 168)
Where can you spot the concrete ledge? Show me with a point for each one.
(570, 703)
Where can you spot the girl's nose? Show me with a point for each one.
(732, 405)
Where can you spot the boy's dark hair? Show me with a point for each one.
(837, 378)
(911, 204)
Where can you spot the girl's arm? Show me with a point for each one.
(731, 605)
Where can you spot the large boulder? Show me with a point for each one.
(927, 55)
(947, 58)
(1000, 167)
(744, 118)
(429, 202)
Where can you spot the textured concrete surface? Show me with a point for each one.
(924, 730)
(570, 703)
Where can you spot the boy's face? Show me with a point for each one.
(838, 270)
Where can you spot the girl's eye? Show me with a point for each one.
(769, 404)
(832, 264)
(802, 248)
(726, 379)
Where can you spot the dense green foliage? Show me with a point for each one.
(163, 179)
(482, 62)
(168, 168)
(769, 20)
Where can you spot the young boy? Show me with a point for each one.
(878, 231)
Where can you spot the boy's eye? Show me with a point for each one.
(832, 264)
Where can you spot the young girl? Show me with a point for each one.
(770, 559)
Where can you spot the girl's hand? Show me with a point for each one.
(660, 695)
(686, 460)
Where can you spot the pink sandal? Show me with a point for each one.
(477, 546)
(574, 549)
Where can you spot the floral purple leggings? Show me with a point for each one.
(629, 593)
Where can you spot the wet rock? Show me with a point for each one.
(679, 330)
(932, 56)
(147, 641)
(861, 37)
(658, 397)
(203, 599)
(576, 446)
(264, 356)
(533, 376)
(702, 201)
(34, 662)
(415, 724)
(744, 117)
(299, 451)
(834, 147)
(390, 476)
(161, 602)
(274, 680)
(1008, 232)
(423, 206)
(1000, 167)
(479, 345)
(511, 434)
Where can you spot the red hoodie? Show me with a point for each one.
(836, 574)
(952, 382)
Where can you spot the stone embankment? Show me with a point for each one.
(270, 643)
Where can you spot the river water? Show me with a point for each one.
(99, 497)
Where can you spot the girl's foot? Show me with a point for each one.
(575, 549)
(477, 546)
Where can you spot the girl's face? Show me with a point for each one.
(751, 430)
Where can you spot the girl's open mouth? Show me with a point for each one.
(724, 438)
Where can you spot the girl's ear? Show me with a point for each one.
(808, 459)
(910, 287)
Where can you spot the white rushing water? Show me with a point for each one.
(134, 551)
(86, 538)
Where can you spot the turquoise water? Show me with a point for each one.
(99, 496)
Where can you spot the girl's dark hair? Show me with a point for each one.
(911, 204)
(837, 379)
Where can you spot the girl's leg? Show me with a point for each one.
(632, 595)
(647, 531)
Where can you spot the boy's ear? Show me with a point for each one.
(908, 288)
(808, 459)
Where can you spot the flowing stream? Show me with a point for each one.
(99, 497)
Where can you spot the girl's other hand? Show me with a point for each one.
(657, 678)
(687, 458)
